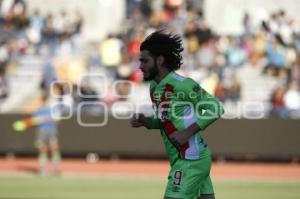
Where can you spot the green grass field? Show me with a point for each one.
(33, 187)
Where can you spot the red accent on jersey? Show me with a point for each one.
(168, 125)
(183, 149)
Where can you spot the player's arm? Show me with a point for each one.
(181, 137)
(22, 125)
(207, 109)
(139, 120)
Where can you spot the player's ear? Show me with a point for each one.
(160, 60)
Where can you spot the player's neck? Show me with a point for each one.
(161, 75)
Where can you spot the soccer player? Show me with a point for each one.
(183, 110)
(46, 138)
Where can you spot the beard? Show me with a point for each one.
(152, 73)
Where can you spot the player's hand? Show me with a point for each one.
(179, 138)
(137, 120)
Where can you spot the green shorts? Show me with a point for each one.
(189, 179)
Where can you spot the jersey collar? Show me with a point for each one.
(166, 79)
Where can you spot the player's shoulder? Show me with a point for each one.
(188, 84)
(177, 80)
(177, 77)
(190, 81)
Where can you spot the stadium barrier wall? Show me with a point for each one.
(266, 139)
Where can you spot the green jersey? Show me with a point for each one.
(178, 103)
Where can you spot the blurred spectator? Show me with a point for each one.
(126, 68)
(12, 6)
(247, 44)
(49, 74)
(178, 22)
(206, 55)
(277, 102)
(220, 92)
(247, 25)
(76, 22)
(234, 91)
(49, 40)
(37, 23)
(276, 53)
(4, 59)
(210, 83)
(294, 73)
(20, 18)
(235, 55)
(133, 45)
(61, 23)
(203, 32)
(253, 85)
(292, 101)
(3, 84)
(192, 44)
(110, 52)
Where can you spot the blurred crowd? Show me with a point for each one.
(23, 32)
(259, 66)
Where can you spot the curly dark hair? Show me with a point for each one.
(167, 45)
